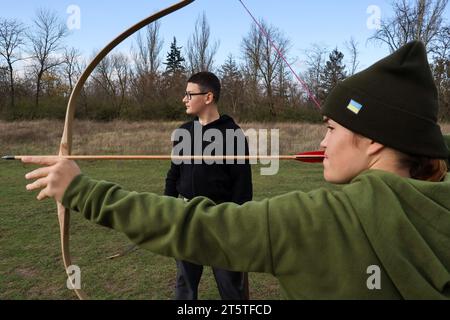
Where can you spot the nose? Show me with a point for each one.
(323, 143)
(185, 99)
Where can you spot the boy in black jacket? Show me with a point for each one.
(220, 181)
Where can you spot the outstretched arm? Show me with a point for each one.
(199, 231)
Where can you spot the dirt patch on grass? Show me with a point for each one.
(27, 273)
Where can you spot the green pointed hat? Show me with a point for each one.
(393, 102)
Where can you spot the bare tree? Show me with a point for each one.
(441, 72)
(147, 62)
(3, 86)
(352, 47)
(120, 65)
(412, 20)
(442, 48)
(147, 54)
(316, 58)
(251, 52)
(71, 66)
(46, 37)
(264, 59)
(282, 82)
(79, 66)
(12, 34)
(113, 75)
(200, 51)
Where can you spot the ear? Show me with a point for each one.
(374, 148)
(209, 98)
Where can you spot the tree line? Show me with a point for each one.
(38, 72)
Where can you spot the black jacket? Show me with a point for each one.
(219, 182)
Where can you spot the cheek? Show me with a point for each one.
(340, 169)
(337, 166)
(190, 107)
(344, 162)
(193, 104)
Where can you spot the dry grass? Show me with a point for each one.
(121, 137)
(294, 137)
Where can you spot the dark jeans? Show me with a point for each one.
(232, 285)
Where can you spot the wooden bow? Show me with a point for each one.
(66, 140)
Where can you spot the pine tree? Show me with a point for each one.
(332, 74)
(174, 60)
(229, 71)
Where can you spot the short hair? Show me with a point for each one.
(207, 81)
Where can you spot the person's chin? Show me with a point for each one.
(330, 179)
(335, 178)
(328, 174)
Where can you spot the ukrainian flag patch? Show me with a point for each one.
(354, 107)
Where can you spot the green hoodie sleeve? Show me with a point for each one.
(318, 244)
(290, 229)
(198, 231)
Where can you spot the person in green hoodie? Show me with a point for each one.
(384, 235)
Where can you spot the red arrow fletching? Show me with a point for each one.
(311, 156)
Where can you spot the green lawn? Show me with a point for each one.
(30, 259)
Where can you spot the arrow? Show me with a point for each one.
(309, 157)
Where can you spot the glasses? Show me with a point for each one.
(189, 95)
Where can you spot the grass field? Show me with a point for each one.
(30, 259)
